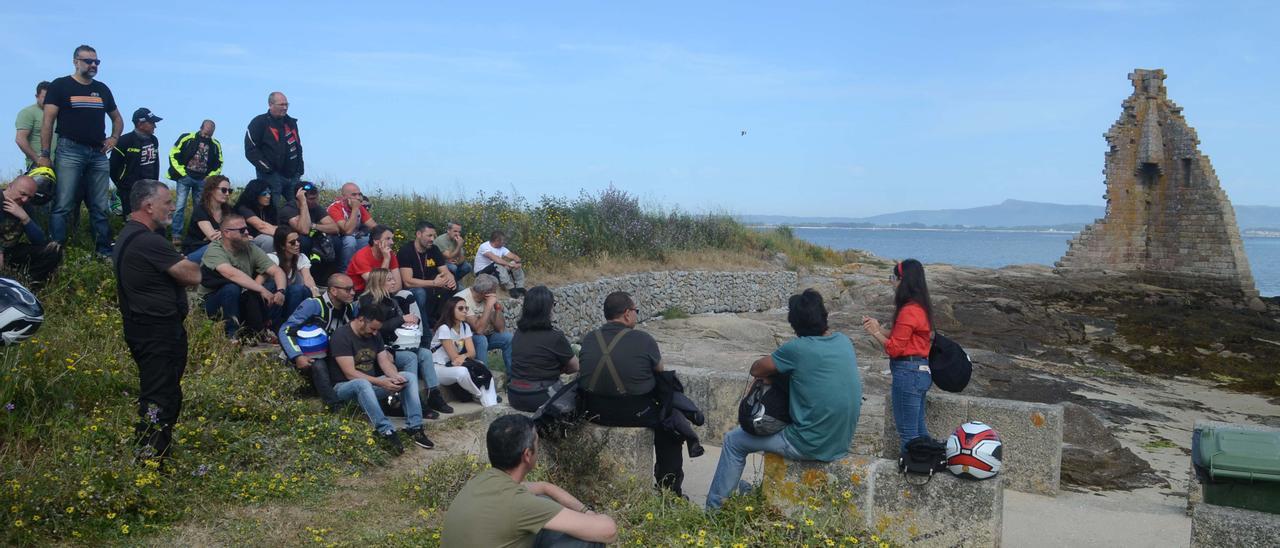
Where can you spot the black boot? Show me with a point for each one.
(436, 401)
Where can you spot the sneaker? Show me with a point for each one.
(419, 436)
(392, 442)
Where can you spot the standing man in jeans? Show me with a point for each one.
(194, 156)
(274, 148)
(78, 103)
(151, 279)
(136, 156)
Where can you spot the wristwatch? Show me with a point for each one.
(44, 153)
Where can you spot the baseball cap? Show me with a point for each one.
(145, 115)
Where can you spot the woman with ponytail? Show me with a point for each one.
(908, 345)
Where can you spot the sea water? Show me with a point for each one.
(997, 248)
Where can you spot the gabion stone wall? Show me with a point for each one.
(578, 306)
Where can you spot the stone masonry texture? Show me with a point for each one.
(1168, 220)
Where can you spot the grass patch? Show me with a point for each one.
(674, 313)
(1159, 443)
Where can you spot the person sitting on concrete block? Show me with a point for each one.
(534, 513)
(493, 257)
(826, 398)
(620, 370)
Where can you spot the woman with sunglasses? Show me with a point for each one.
(206, 220)
(402, 309)
(288, 256)
(908, 345)
(451, 346)
(258, 211)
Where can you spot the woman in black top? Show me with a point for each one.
(207, 217)
(540, 353)
(254, 204)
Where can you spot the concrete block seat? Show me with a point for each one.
(945, 511)
(1031, 434)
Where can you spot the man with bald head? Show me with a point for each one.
(354, 223)
(274, 148)
(329, 311)
(36, 257)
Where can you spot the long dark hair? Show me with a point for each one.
(911, 288)
(446, 312)
(535, 315)
(206, 196)
(248, 199)
(281, 244)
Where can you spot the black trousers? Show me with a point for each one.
(38, 260)
(159, 347)
(642, 411)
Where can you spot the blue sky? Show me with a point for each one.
(850, 108)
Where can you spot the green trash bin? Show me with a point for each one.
(1238, 467)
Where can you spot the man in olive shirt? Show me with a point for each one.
(28, 124)
(235, 275)
(497, 508)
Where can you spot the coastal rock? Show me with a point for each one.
(1092, 457)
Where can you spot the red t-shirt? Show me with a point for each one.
(338, 211)
(910, 333)
(364, 262)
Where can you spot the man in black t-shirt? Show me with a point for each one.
(424, 271)
(77, 103)
(151, 282)
(366, 372)
(619, 377)
(136, 156)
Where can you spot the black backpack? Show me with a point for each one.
(766, 408)
(923, 456)
(949, 365)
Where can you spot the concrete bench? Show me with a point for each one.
(945, 511)
(1031, 433)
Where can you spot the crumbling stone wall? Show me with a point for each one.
(1168, 220)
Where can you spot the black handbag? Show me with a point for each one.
(949, 364)
(480, 373)
(765, 409)
(923, 456)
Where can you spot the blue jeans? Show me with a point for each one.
(910, 384)
(225, 301)
(198, 254)
(282, 188)
(428, 298)
(418, 363)
(501, 341)
(733, 458)
(459, 270)
(186, 186)
(82, 174)
(347, 245)
(367, 395)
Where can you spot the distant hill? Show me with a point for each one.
(1010, 213)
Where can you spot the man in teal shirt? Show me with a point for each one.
(28, 126)
(826, 398)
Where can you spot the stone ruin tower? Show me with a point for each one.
(1168, 220)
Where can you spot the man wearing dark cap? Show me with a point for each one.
(136, 155)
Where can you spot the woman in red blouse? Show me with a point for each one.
(907, 345)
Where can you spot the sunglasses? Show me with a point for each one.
(292, 242)
(343, 287)
(265, 193)
(462, 308)
(224, 189)
(94, 62)
(242, 230)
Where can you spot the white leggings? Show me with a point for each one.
(457, 375)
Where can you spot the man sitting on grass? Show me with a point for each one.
(329, 311)
(234, 282)
(493, 257)
(498, 508)
(366, 373)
